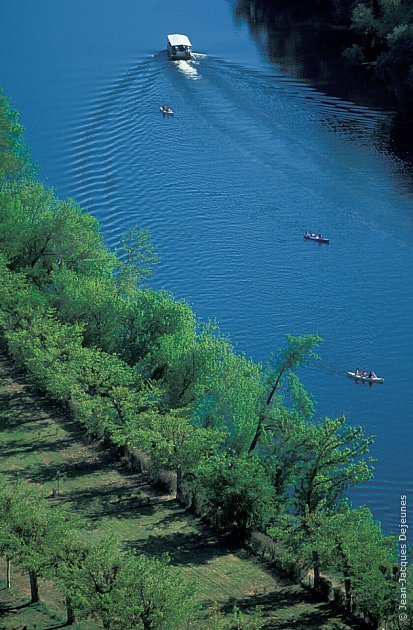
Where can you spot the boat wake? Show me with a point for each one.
(187, 68)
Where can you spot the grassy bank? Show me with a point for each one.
(41, 445)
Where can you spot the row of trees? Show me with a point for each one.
(136, 368)
(119, 590)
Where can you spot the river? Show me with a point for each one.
(253, 157)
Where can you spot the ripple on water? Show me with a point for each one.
(228, 186)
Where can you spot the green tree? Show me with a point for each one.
(235, 493)
(125, 591)
(191, 362)
(364, 19)
(46, 348)
(92, 301)
(231, 398)
(31, 532)
(136, 259)
(287, 440)
(8, 543)
(335, 461)
(20, 301)
(38, 233)
(89, 577)
(14, 156)
(152, 320)
(223, 389)
(395, 65)
(297, 352)
(158, 595)
(174, 443)
(107, 393)
(344, 541)
(69, 572)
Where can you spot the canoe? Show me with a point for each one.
(314, 237)
(360, 377)
(165, 111)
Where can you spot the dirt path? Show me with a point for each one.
(41, 445)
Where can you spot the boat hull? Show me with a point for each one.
(359, 377)
(176, 56)
(317, 239)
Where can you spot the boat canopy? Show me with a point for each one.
(179, 40)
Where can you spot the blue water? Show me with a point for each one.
(252, 158)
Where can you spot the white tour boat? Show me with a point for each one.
(179, 47)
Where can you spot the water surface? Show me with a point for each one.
(252, 158)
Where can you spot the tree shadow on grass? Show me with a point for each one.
(295, 607)
(72, 467)
(124, 495)
(125, 500)
(184, 548)
(28, 405)
(197, 547)
(34, 426)
(18, 410)
(176, 512)
(16, 447)
(49, 473)
(33, 406)
(10, 609)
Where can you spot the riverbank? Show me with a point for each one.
(43, 446)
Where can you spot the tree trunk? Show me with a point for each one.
(179, 479)
(34, 587)
(347, 579)
(316, 569)
(256, 436)
(71, 617)
(184, 498)
(261, 417)
(347, 585)
(348, 595)
(8, 563)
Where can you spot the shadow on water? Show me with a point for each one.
(303, 40)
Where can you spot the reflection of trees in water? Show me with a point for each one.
(285, 11)
(400, 140)
(305, 40)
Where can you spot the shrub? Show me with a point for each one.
(235, 493)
